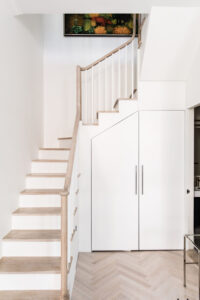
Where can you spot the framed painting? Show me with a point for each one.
(99, 25)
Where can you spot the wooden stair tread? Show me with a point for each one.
(33, 235)
(30, 265)
(107, 111)
(37, 211)
(50, 160)
(65, 138)
(54, 149)
(30, 295)
(41, 192)
(46, 175)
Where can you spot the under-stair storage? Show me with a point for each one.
(138, 183)
(114, 187)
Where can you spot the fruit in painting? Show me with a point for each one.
(121, 30)
(100, 30)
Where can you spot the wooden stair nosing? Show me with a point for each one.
(50, 160)
(37, 211)
(41, 192)
(31, 265)
(65, 138)
(51, 175)
(30, 295)
(33, 236)
(55, 149)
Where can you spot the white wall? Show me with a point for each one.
(61, 55)
(193, 82)
(21, 106)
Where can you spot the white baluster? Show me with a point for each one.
(92, 97)
(99, 86)
(119, 74)
(86, 96)
(105, 83)
(126, 71)
(112, 81)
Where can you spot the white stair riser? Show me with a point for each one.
(128, 107)
(27, 281)
(48, 167)
(45, 182)
(19, 248)
(39, 201)
(35, 222)
(64, 143)
(53, 154)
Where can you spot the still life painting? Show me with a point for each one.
(98, 24)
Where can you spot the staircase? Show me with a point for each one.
(39, 254)
(30, 267)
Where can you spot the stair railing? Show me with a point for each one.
(67, 197)
(111, 77)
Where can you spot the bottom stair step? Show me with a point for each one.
(30, 273)
(30, 295)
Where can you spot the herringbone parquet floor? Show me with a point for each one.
(155, 275)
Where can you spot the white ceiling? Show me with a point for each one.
(92, 6)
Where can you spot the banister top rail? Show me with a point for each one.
(113, 51)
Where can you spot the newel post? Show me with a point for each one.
(64, 246)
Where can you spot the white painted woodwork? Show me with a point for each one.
(114, 202)
(28, 248)
(64, 143)
(53, 154)
(45, 182)
(48, 167)
(35, 222)
(162, 201)
(27, 281)
(39, 200)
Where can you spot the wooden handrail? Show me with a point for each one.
(113, 51)
(65, 193)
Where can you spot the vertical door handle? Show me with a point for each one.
(142, 180)
(136, 179)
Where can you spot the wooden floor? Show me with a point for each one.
(134, 276)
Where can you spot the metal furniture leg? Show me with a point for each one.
(184, 262)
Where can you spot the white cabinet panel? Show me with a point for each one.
(162, 199)
(114, 199)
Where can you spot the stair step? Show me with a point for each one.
(30, 265)
(30, 295)
(45, 243)
(33, 235)
(37, 211)
(30, 273)
(65, 142)
(45, 181)
(50, 160)
(54, 149)
(42, 192)
(65, 138)
(51, 175)
(39, 218)
(49, 166)
(39, 200)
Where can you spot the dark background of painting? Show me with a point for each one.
(68, 27)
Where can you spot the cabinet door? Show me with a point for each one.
(114, 187)
(162, 180)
